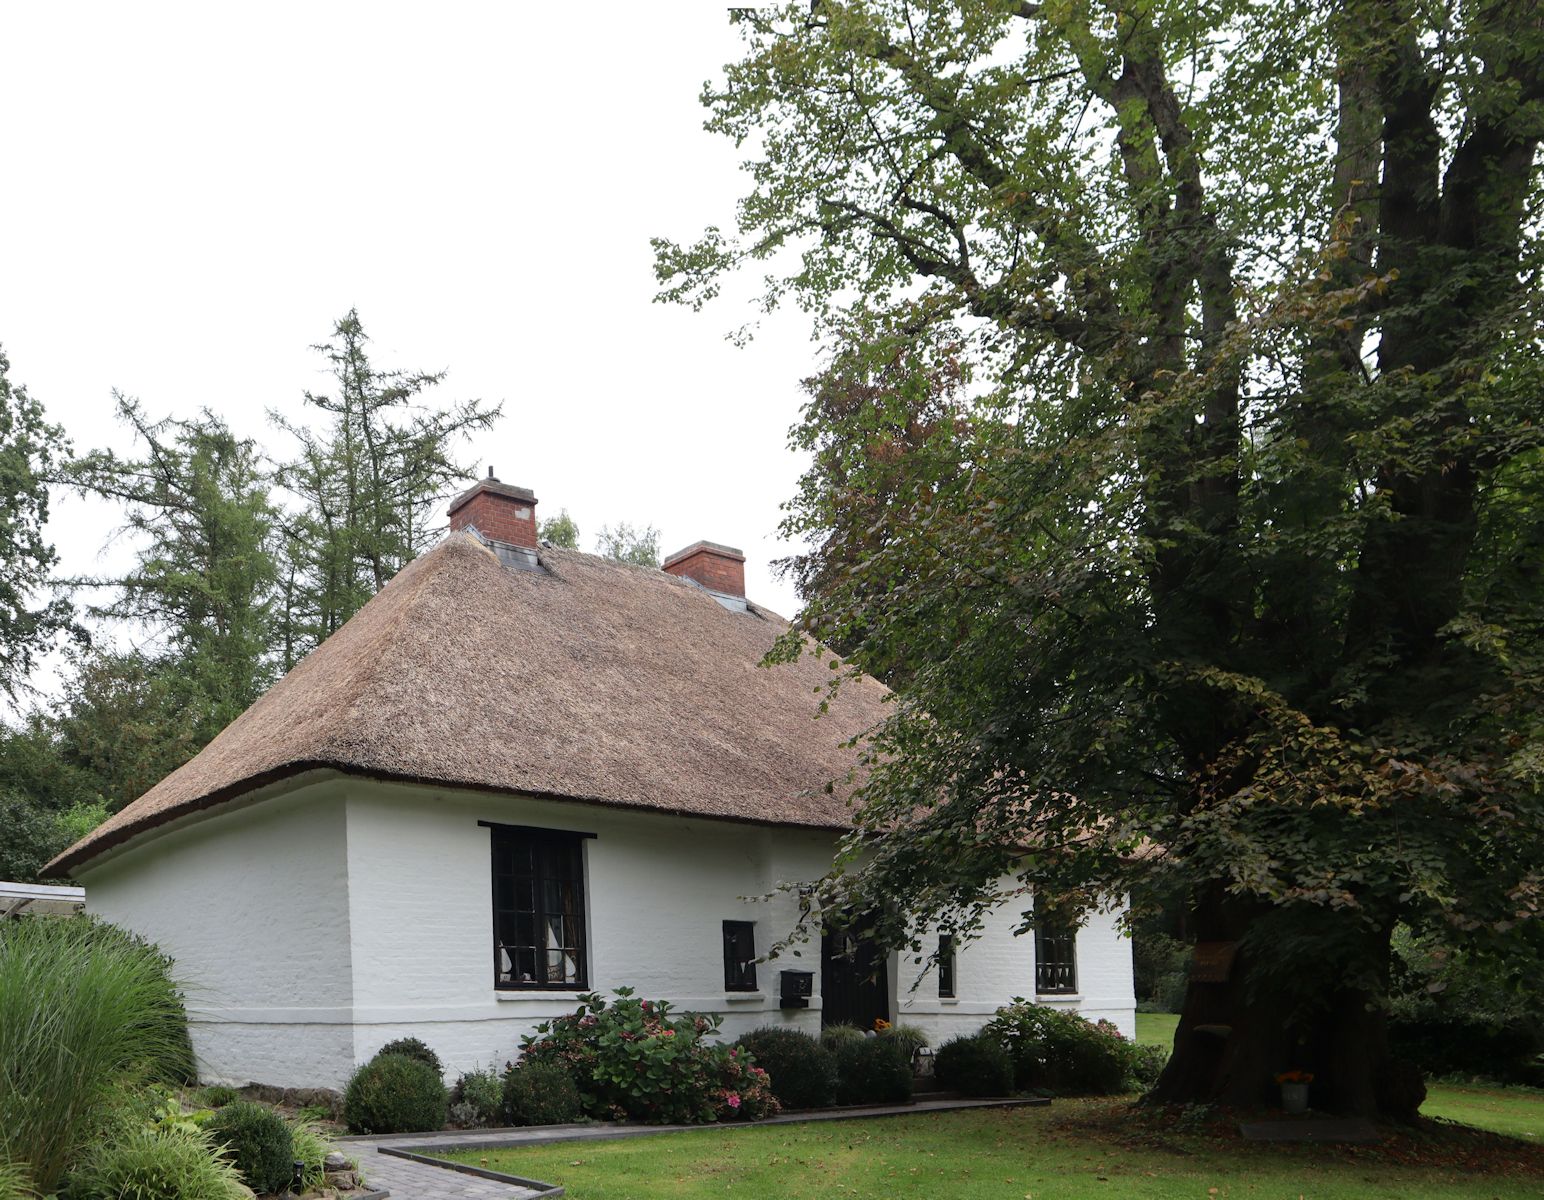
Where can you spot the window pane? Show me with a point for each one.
(539, 908)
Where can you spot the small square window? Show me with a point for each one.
(739, 956)
(946, 965)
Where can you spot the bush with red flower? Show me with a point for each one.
(633, 1060)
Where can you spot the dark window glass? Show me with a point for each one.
(739, 956)
(538, 909)
(946, 964)
(1056, 961)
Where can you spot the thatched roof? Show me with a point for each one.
(594, 681)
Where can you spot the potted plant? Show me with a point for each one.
(1294, 1090)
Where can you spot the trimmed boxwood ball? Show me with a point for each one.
(541, 1094)
(260, 1144)
(974, 1066)
(395, 1094)
(871, 1070)
(802, 1071)
(411, 1047)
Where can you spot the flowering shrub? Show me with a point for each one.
(632, 1060)
(1061, 1051)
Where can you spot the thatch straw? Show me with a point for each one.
(596, 681)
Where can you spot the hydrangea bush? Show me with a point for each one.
(1060, 1051)
(632, 1060)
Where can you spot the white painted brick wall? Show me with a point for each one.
(322, 924)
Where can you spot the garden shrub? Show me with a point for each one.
(974, 1066)
(1060, 1051)
(148, 1163)
(802, 1072)
(260, 1144)
(86, 1011)
(1147, 1063)
(1457, 1013)
(395, 1094)
(632, 1060)
(870, 1070)
(538, 1093)
(411, 1047)
(744, 1091)
(477, 1097)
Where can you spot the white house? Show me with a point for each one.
(518, 773)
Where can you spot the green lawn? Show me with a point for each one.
(1515, 1111)
(1069, 1151)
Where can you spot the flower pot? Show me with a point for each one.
(1294, 1097)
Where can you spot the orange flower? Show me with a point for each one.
(880, 1024)
(1295, 1077)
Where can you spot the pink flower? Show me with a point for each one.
(734, 1101)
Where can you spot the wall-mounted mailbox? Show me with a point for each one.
(796, 988)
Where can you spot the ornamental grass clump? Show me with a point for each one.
(1058, 1051)
(86, 1011)
(395, 1094)
(631, 1060)
(802, 1072)
(260, 1144)
(180, 1162)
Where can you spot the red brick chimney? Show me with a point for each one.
(717, 568)
(501, 512)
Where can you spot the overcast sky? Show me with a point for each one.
(194, 193)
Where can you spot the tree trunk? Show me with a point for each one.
(1235, 1036)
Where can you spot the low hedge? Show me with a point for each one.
(802, 1071)
(539, 1093)
(871, 1070)
(974, 1066)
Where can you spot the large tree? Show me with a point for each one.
(1178, 460)
(196, 500)
(369, 482)
(31, 613)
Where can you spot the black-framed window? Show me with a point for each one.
(538, 909)
(946, 965)
(1056, 961)
(739, 956)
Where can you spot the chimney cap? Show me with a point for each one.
(713, 548)
(490, 484)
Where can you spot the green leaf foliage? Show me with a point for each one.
(31, 450)
(1177, 460)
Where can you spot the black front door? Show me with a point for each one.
(854, 982)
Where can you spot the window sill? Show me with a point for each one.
(948, 999)
(1058, 998)
(736, 997)
(537, 993)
